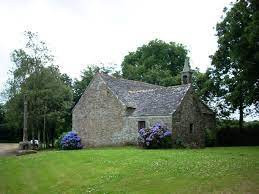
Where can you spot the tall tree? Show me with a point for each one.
(2, 119)
(27, 61)
(204, 85)
(2, 113)
(157, 62)
(48, 92)
(6, 133)
(235, 63)
(51, 100)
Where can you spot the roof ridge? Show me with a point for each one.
(162, 88)
(144, 90)
(144, 97)
(141, 82)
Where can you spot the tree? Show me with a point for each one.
(2, 119)
(48, 92)
(51, 99)
(7, 134)
(235, 63)
(2, 113)
(161, 63)
(28, 61)
(157, 62)
(67, 80)
(204, 85)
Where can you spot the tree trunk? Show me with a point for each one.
(241, 116)
(39, 134)
(47, 140)
(25, 116)
(52, 137)
(44, 130)
(33, 136)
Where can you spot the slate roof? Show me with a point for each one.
(146, 99)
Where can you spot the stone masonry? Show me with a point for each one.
(110, 111)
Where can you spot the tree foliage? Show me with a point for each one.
(157, 62)
(161, 63)
(235, 63)
(2, 113)
(48, 92)
(204, 85)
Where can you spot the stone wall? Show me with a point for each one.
(129, 133)
(190, 120)
(101, 119)
(208, 117)
(97, 117)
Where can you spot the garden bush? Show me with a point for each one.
(69, 141)
(229, 134)
(157, 136)
(179, 143)
(57, 143)
(210, 137)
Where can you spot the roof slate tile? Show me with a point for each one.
(147, 99)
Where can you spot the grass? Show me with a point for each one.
(132, 170)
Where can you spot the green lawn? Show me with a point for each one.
(128, 169)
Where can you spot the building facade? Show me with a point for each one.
(111, 111)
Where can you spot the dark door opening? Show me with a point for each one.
(191, 128)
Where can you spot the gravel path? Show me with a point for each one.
(8, 149)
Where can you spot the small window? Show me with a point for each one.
(191, 128)
(141, 124)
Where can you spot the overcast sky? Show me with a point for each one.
(83, 32)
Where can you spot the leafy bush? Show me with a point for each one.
(179, 143)
(57, 143)
(69, 141)
(156, 137)
(210, 137)
(229, 134)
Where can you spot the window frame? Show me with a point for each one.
(141, 124)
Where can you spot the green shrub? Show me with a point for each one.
(229, 134)
(210, 137)
(179, 143)
(57, 144)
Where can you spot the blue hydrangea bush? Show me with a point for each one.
(70, 141)
(157, 136)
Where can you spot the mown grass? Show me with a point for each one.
(133, 170)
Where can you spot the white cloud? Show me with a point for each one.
(100, 31)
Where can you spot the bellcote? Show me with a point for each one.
(186, 74)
